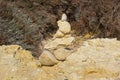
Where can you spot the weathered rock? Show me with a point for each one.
(47, 58)
(74, 76)
(61, 53)
(64, 26)
(18, 64)
(96, 59)
(58, 34)
(59, 41)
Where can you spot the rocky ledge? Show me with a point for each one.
(95, 59)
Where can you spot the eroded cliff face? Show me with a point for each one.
(96, 59)
(28, 22)
(17, 64)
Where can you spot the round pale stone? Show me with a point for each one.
(61, 53)
(47, 59)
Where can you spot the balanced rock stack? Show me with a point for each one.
(64, 27)
(54, 49)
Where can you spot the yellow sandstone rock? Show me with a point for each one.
(18, 64)
(96, 59)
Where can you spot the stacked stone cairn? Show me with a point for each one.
(55, 49)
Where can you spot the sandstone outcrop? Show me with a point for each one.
(96, 59)
(18, 64)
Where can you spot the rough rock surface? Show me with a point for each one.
(52, 44)
(96, 59)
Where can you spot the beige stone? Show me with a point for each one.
(47, 58)
(59, 41)
(74, 76)
(58, 34)
(64, 26)
(64, 17)
(61, 53)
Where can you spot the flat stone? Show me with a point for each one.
(47, 58)
(65, 41)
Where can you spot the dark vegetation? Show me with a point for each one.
(28, 22)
